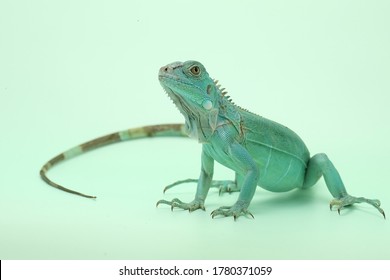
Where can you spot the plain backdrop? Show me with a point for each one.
(74, 70)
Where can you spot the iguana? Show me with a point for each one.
(261, 152)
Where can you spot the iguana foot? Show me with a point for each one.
(224, 186)
(177, 203)
(349, 200)
(237, 210)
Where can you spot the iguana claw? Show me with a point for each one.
(237, 210)
(177, 203)
(225, 186)
(227, 213)
(349, 200)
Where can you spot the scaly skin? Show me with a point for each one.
(260, 152)
(165, 130)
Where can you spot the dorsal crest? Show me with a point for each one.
(226, 97)
(218, 85)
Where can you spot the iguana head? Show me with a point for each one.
(195, 94)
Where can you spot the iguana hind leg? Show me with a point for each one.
(320, 165)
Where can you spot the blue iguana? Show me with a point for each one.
(261, 152)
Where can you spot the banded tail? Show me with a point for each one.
(163, 130)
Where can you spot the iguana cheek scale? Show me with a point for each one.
(260, 152)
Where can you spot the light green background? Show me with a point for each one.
(74, 70)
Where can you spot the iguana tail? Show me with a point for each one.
(163, 130)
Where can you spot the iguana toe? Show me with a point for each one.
(177, 203)
(225, 186)
(179, 183)
(235, 211)
(348, 200)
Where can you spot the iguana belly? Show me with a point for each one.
(279, 172)
(280, 154)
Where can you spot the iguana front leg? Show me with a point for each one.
(204, 183)
(244, 164)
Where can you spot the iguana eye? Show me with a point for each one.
(195, 70)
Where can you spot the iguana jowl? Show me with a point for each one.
(260, 152)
